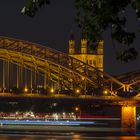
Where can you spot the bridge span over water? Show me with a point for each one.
(37, 71)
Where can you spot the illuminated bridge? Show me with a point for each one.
(28, 68)
(31, 67)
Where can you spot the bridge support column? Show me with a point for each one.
(128, 119)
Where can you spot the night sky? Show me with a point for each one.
(52, 25)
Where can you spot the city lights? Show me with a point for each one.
(83, 78)
(10, 90)
(105, 91)
(77, 90)
(76, 108)
(52, 90)
(25, 89)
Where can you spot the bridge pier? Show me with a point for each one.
(128, 119)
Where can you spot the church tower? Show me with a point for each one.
(100, 53)
(84, 46)
(100, 47)
(71, 44)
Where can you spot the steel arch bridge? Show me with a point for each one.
(132, 79)
(61, 71)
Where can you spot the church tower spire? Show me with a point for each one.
(100, 47)
(84, 42)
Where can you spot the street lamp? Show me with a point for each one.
(78, 112)
(105, 92)
(77, 90)
(25, 89)
(76, 108)
(52, 90)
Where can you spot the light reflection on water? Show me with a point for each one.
(65, 137)
(76, 137)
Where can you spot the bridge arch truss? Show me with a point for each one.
(58, 70)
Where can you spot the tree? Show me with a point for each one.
(96, 16)
(32, 6)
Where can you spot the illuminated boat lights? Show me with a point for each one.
(39, 122)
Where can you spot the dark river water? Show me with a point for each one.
(49, 132)
(65, 136)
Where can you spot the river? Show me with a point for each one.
(65, 136)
